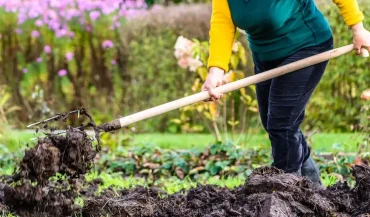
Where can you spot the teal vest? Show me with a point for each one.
(277, 28)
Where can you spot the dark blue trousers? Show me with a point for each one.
(282, 102)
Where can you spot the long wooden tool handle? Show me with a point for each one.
(121, 122)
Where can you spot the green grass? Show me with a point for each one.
(171, 185)
(323, 142)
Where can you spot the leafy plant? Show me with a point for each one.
(328, 179)
(151, 162)
(6, 108)
(222, 115)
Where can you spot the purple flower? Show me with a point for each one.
(88, 28)
(69, 56)
(39, 23)
(33, 13)
(35, 34)
(60, 33)
(107, 44)
(94, 15)
(47, 49)
(24, 70)
(113, 62)
(18, 31)
(39, 60)
(62, 72)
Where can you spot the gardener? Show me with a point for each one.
(280, 32)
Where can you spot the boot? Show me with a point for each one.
(311, 172)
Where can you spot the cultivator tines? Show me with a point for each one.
(56, 118)
(63, 117)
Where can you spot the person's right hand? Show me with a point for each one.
(214, 79)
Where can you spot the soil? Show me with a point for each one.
(31, 192)
(268, 192)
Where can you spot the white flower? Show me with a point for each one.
(183, 62)
(194, 64)
(235, 47)
(183, 47)
(366, 95)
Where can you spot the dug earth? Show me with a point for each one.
(267, 192)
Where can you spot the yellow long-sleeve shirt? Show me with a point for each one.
(275, 30)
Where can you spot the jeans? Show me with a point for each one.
(282, 102)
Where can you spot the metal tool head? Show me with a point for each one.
(55, 118)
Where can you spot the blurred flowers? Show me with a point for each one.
(35, 34)
(366, 95)
(55, 14)
(47, 49)
(183, 52)
(107, 44)
(62, 72)
(69, 56)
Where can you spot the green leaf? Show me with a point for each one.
(234, 61)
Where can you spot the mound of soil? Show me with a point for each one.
(51, 200)
(268, 192)
(32, 193)
(71, 154)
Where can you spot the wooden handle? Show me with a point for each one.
(121, 122)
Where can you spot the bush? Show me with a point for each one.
(152, 76)
(336, 104)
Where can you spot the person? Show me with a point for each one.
(280, 32)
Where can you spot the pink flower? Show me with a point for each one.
(366, 95)
(18, 31)
(47, 49)
(69, 56)
(94, 15)
(113, 62)
(183, 62)
(24, 70)
(62, 72)
(107, 44)
(194, 64)
(39, 60)
(60, 33)
(35, 34)
(39, 23)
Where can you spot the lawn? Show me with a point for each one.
(323, 142)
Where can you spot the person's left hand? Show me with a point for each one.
(361, 37)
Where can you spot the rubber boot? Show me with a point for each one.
(311, 172)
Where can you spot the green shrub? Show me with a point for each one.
(336, 104)
(152, 76)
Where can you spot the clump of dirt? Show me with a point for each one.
(32, 192)
(139, 201)
(35, 200)
(268, 192)
(71, 154)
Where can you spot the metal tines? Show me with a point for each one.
(55, 118)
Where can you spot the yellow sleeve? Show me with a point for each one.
(222, 35)
(350, 11)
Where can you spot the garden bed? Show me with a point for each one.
(34, 191)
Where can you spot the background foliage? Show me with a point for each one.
(128, 63)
